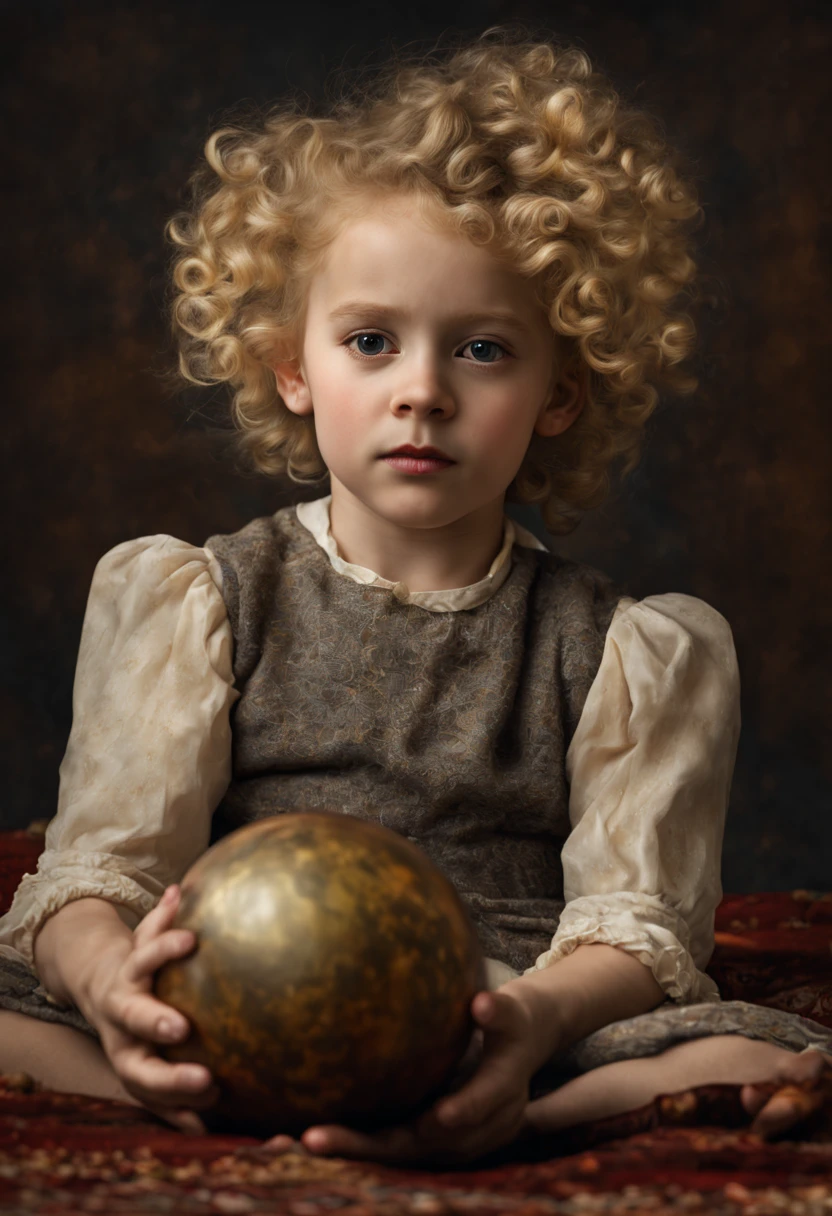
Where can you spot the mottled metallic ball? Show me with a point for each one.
(332, 978)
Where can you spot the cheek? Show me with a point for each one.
(336, 402)
(505, 433)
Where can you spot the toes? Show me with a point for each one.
(775, 1117)
(284, 1144)
(795, 1091)
(754, 1098)
(788, 1107)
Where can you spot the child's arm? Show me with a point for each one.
(149, 754)
(79, 937)
(86, 954)
(148, 759)
(650, 767)
(593, 986)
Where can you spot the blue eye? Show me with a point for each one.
(485, 351)
(369, 344)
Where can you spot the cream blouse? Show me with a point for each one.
(149, 757)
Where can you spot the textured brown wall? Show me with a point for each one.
(108, 107)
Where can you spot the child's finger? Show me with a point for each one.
(480, 1099)
(156, 1082)
(500, 1014)
(187, 1121)
(495, 1080)
(148, 958)
(163, 913)
(160, 918)
(392, 1144)
(144, 1017)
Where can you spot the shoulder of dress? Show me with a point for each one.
(250, 561)
(158, 565)
(686, 611)
(674, 629)
(566, 576)
(264, 533)
(161, 552)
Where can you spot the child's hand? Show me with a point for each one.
(486, 1113)
(121, 1005)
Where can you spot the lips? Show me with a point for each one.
(426, 453)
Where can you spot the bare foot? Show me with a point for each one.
(800, 1086)
(281, 1143)
(779, 1087)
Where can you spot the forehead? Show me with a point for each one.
(394, 252)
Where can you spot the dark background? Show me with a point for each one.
(106, 108)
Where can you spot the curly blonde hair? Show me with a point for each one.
(520, 146)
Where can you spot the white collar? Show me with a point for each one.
(315, 518)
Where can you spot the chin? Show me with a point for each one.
(414, 502)
(439, 516)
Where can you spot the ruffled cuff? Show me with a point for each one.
(644, 926)
(68, 875)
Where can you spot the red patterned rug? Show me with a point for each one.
(691, 1152)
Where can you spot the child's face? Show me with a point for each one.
(414, 335)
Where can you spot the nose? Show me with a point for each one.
(422, 390)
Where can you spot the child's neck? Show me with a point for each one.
(424, 559)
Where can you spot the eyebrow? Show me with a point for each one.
(360, 308)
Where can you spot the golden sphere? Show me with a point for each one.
(332, 978)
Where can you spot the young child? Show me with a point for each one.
(461, 287)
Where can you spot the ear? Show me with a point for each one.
(565, 403)
(292, 386)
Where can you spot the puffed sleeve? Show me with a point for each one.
(650, 769)
(149, 753)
